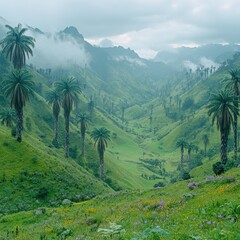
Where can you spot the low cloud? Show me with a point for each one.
(133, 61)
(208, 63)
(50, 52)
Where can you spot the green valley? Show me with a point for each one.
(97, 142)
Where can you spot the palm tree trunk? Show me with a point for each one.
(83, 143)
(56, 131)
(67, 136)
(101, 167)
(235, 133)
(181, 163)
(19, 124)
(223, 148)
(189, 160)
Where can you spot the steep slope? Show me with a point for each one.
(33, 175)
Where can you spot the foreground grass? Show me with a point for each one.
(210, 209)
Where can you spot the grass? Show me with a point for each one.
(209, 211)
(33, 175)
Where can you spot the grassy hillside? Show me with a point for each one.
(33, 175)
(208, 208)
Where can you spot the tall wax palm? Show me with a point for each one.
(222, 108)
(69, 90)
(205, 142)
(181, 143)
(17, 46)
(190, 147)
(233, 84)
(83, 120)
(7, 116)
(101, 136)
(54, 98)
(18, 86)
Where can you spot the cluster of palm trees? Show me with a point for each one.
(18, 86)
(182, 144)
(223, 107)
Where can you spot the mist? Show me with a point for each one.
(51, 52)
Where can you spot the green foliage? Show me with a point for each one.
(42, 193)
(152, 234)
(186, 176)
(218, 168)
(13, 131)
(17, 46)
(113, 229)
(8, 116)
(188, 103)
(159, 184)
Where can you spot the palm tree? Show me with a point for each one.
(101, 136)
(83, 119)
(17, 46)
(190, 147)
(205, 142)
(54, 98)
(18, 86)
(7, 116)
(182, 144)
(68, 90)
(222, 108)
(233, 84)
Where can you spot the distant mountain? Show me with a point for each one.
(215, 52)
(113, 66)
(71, 32)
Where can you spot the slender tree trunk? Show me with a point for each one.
(101, 167)
(181, 163)
(83, 146)
(189, 160)
(56, 131)
(235, 133)
(223, 148)
(67, 136)
(19, 124)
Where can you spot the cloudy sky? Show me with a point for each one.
(147, 26)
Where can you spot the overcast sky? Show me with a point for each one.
(146, 26)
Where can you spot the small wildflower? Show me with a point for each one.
(161, 204)
(136, 223)
(210, 179)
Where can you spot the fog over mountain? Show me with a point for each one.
(145, 26)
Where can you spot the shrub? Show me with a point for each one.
(42, 193)
(34, 159)
(13, 131)
(218, 168)
(186, 176)
(159, 184)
